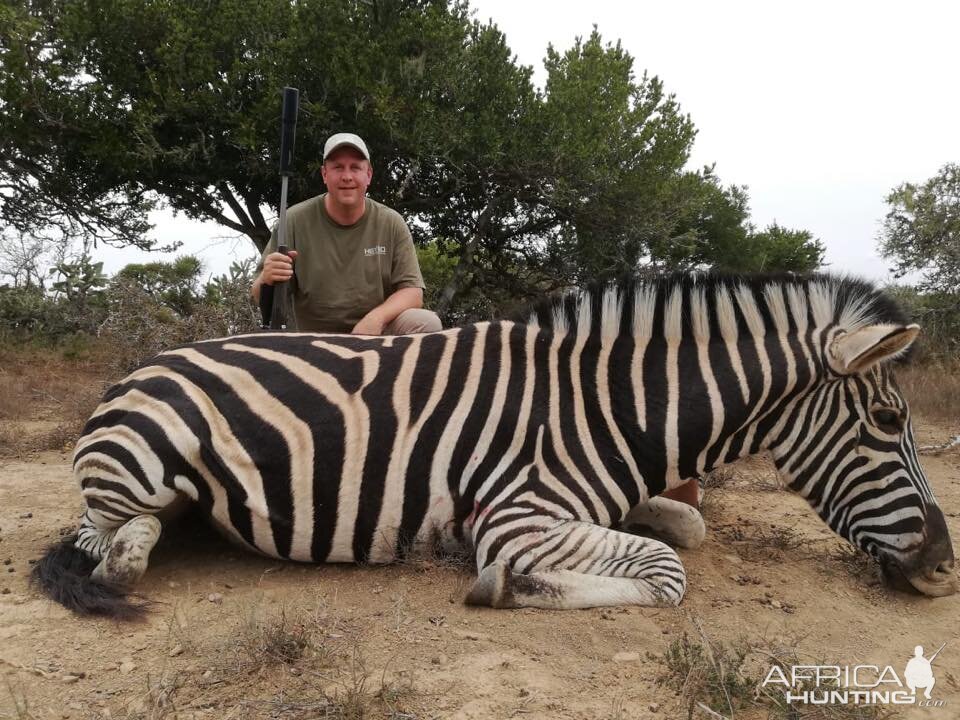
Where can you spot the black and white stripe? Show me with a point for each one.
(527, 439)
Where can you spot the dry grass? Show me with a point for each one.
(725, 680)
(856, 562)
(46, 397)
(933, 391)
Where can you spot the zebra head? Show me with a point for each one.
(851, 453)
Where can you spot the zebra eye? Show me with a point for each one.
(888, 420)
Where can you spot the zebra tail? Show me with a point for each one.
(63, 575)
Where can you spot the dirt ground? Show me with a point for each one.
(233, 635)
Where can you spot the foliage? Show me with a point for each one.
(172, 284)
(921, 231)
(938, 313)
(73, 303)
(526, 190)
(56, 132)
(141, 321)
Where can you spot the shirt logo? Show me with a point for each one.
(378, 250)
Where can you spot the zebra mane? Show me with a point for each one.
(683, 304)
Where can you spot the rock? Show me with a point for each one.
(176, 650)
(26, 516)
(207, 675)
(654, 707)
(5, 591)
(776, 604)
(625, 657)
(215, 598)
(127, 666)
(70, 679)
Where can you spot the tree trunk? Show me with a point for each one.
(465, 265)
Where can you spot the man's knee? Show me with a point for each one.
(414, 320)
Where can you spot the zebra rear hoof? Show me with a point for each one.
(126, 561)
(490, 587)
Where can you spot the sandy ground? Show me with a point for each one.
(398, 642)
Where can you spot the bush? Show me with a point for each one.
(139, 323)
(939, 316)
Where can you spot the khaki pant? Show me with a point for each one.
(414, 320)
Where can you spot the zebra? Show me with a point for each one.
(537, 443)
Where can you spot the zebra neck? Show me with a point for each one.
(685, 407)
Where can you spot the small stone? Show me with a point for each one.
(5, 591)
(215, 598)
(70, 679)
(7, 561)
(775, 604)
(294, 671)
(434, 661)
(207, 675)
(26, 516)
(524, 692)
(127, 667)
(176, 650)
(654, 707)
(11, 569)
(624, 657)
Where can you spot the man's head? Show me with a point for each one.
(346, 169)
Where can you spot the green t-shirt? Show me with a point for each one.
(344, 271)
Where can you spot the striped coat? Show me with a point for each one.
(527, 441)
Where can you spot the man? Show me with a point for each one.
(352, 267)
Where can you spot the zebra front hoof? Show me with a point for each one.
(490, 587)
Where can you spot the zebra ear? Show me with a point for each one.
(861, 349)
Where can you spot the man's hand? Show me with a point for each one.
(278, 267)
(371, 324)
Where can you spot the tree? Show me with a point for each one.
(921, 231)
(174, 285)
(525, 190)
(52, 184)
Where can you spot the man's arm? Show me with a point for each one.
(377, 319)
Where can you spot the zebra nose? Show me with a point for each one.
(943, 570)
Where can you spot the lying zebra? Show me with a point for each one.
(526, 441)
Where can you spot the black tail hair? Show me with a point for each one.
(63, 575)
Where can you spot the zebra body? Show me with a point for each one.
(526, 441)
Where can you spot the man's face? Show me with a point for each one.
(347, 175)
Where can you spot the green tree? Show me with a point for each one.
(175, 285)
(525, 190)
(54, 136)
(921, 231)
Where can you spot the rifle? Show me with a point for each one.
(274, 298)
(934, 656)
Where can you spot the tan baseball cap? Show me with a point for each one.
(340, 139)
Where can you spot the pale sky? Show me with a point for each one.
(821, 108)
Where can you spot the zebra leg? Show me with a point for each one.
(126, 557)
(569, 564)
(676, 523)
